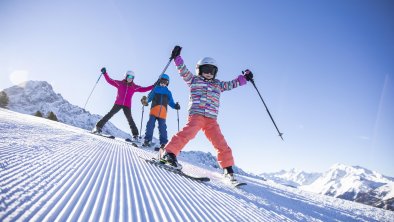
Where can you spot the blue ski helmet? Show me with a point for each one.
(165, 79)
(165, 76)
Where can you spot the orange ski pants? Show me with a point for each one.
(211, 129)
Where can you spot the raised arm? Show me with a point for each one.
(239, 81)
(108, 79)
(182, 69)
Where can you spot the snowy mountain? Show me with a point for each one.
(357, 184)
(32, 96)
(50, 171)
(341, 181)
(292, 178)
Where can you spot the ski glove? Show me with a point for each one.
(144, 101)
(178, 61)
(241, 80)
(177, 106)
(176, 52)
(103, 70)
(248, 74)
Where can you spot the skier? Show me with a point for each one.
(126, 89)
(204, 101)
(161, 97)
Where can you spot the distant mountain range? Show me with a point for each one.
(346, 182)
(32, 96)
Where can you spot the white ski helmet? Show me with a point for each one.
(206, 61)
(129, 73)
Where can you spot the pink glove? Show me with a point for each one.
(241, 80)
(178, 60)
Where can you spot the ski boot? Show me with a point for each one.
(146, 144)
(170, 159)
(229, 174)
(97, 130)
(161, 147)
(135, 138)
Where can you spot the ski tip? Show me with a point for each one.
(240, 184)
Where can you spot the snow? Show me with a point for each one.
(50, 171)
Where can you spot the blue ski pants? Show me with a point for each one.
(150, 126)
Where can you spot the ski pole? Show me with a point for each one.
(280, 134)
(177, 113)
(92, 90)
(141, 120)
(164, 70)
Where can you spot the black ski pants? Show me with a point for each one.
(127, 113)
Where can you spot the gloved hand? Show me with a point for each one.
(103, 70)
(176, 52)
(241, 80)
(177, 106)
(248, 75)
(144, 101)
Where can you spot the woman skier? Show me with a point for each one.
(126, 89)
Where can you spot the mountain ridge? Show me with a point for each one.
(32, 96)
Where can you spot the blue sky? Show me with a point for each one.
(324, 68)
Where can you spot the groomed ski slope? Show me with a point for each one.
(54, 172)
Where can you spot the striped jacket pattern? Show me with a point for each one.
(204, 95)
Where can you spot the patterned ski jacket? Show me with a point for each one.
(204, 95)
(161, 97)
(125, 90)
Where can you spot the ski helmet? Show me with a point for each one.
(129, 73)
(209, 62)
(165, 77)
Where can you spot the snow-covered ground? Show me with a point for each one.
(50, 171)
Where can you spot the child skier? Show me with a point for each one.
(204, 101)
(160, 97)
(126, 89)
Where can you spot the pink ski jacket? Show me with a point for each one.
(125, 90)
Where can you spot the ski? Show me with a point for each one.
(234, 183)
(156, 162)
(133, 143)
(103, 135)
(238, 184)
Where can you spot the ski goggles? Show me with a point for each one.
(208, 69)
(130, 77)
(164, 81)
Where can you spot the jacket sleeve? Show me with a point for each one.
(111, 81)
(143, 89)
(171, 102)
(185, 73)
(229, 85)
(151, 95)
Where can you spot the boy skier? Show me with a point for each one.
(204, 102)
(161, 97)
(126, 89)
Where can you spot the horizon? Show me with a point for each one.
(324, 70)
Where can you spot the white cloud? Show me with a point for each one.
(19, 76)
